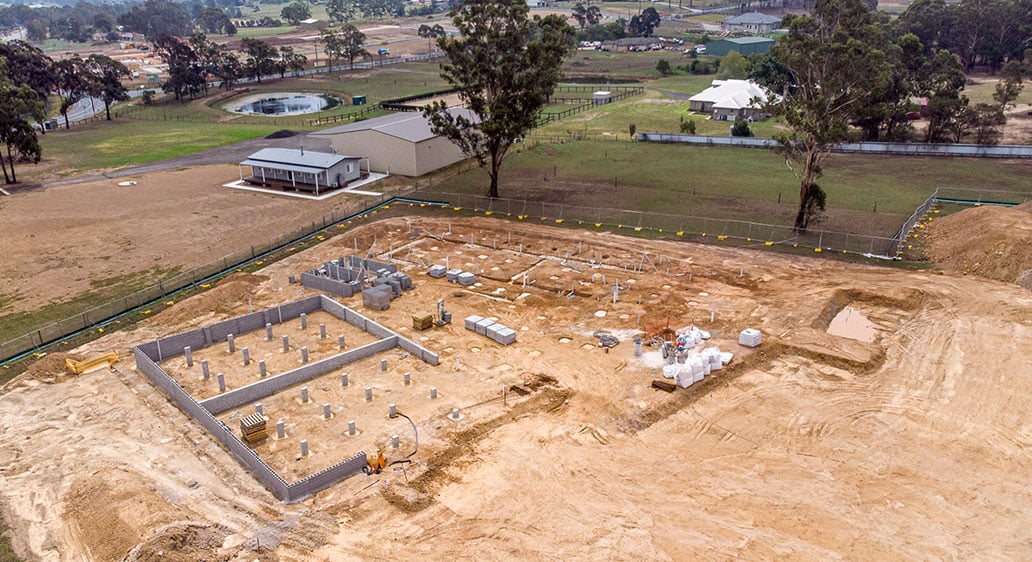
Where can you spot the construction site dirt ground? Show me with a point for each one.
(812, 446)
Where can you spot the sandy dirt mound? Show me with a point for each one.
(229, 294)
(181, 542)
(113, 509)
(994, 242)
(50, 368)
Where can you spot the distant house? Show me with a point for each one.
(753, 22)
(401, 143)
(301, 170)
(743, 45)
(728, 100)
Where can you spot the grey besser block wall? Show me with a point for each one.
(415, 349)
(247, 457)
(327, 285)
(328, 477)
(173, 345)
(370, 265)
(258, 390)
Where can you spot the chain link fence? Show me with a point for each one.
(99, 315)
(666, 225)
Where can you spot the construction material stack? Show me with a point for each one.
(252, 428)
(750, 337)
(485, 327)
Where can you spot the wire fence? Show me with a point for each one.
(157, 293)
(666, 225)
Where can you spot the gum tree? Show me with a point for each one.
(824, 70)
(504, 66)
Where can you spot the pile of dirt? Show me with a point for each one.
(49, 368)
(993, 242)
(281, 134)
(113, 509)
(183, 542)
(228, 297)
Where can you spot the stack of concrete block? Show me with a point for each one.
(465, 278)
(376, 298)
(501, 334)
(453, 275)
(404, 279)
(394, 285)
(437, 271)
(471, 322)
(497, 332)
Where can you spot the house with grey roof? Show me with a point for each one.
(728, 100)
(400, 143)
(753, 22)
(301, 170)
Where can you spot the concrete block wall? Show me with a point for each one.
(419, 351)
(223, 434)
(327, 285)
(328, 477)
(370, 265)
(258, 390)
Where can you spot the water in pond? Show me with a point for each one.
(851, 323)
(285, 103)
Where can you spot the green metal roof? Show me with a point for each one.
(748, 40)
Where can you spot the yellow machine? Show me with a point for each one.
(101, 361)
(377, 463)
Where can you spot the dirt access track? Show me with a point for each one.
(810, 447)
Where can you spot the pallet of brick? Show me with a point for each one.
(481, 326)
(437, 271)
(465, 278)
(471, 322)
(252, 428)
(376, 298)
(505, 335)
(453, 275)
(423, 322)
(404, 280)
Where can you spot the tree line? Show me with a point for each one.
(844, 68)
(28, 79)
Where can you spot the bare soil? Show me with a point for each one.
(168, 221)
(994, 242)
(811, 446)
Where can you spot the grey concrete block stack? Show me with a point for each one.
(497, 332)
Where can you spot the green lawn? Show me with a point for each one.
(866, 194)
(104, 145)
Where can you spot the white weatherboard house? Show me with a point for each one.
(728, 100)
(401, 143)
(302, 170)
(752, 21)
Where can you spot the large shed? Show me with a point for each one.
(743, 45)
(401, 143)
(301, 170)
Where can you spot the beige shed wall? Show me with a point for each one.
(398, 156)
